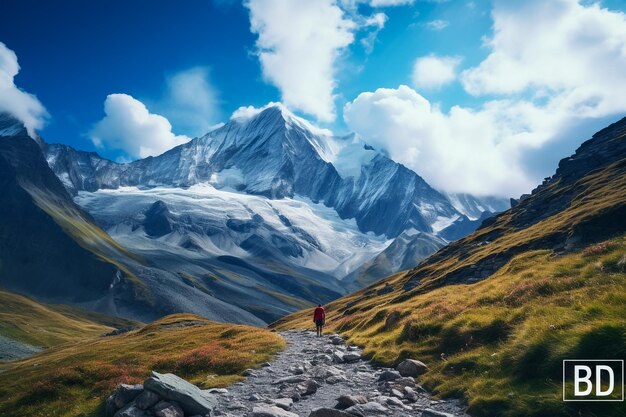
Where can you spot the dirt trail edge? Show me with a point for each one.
(315, 373)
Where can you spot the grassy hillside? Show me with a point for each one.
(503, 339)
(495, 313)
(74, 379)
(30, 322)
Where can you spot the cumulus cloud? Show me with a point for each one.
(437, 24)
(129, 126)
(573, 53)
(458, 151)
(554, 71)
(190, 102)
(298, 44)
(434, 71)
(20, 104)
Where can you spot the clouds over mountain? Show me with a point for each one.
(130, 127)
(22, 105)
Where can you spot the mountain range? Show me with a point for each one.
(266, 214)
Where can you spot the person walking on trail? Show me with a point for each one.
(319, 318)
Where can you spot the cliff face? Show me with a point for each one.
(37, 256)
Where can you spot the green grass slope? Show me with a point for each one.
(30, 322)
(74, 379)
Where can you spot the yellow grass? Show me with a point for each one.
(74, 379)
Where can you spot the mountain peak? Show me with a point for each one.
(276, 112)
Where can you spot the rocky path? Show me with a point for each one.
(319, 376)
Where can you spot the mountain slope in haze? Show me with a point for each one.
(494, 314)
(51, 249)
(27, 326)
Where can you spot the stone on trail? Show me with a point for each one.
(329, 412)
(410, 394)
(389, 376)
(338, 357)
(216, 391)
(284, 403)
(309, 387)
(405, 381)
(351, 357)
(368, 409)
(336, 379)
(167, 409)
(249, 372)
(270, 411)
(336, 340)
(411, 367)
(346, 401)
(429, 412)
(173, 388)
(295, 379)
(395, 402)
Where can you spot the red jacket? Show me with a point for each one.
(319, 314)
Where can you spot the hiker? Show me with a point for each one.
(319, 318)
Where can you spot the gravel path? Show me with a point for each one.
(310, 374)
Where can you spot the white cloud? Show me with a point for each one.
(458, 151)
(22, 105)
(431, 72)
(298, 44)
(437, 24)
(375, 3)
(190, 102)
(561, 50)
(385, 3)
(558, 68)
(129, 126)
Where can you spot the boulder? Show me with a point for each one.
(270, 411)
(146, 399)
(389, 376)
(411, 367)
(173, 388)
(329, 412)
(125, 394)
(338, 357)
(346, 401)
(168, 409)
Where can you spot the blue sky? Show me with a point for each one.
(481, 110)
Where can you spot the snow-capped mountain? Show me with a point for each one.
(268, 212)
(276, 154)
